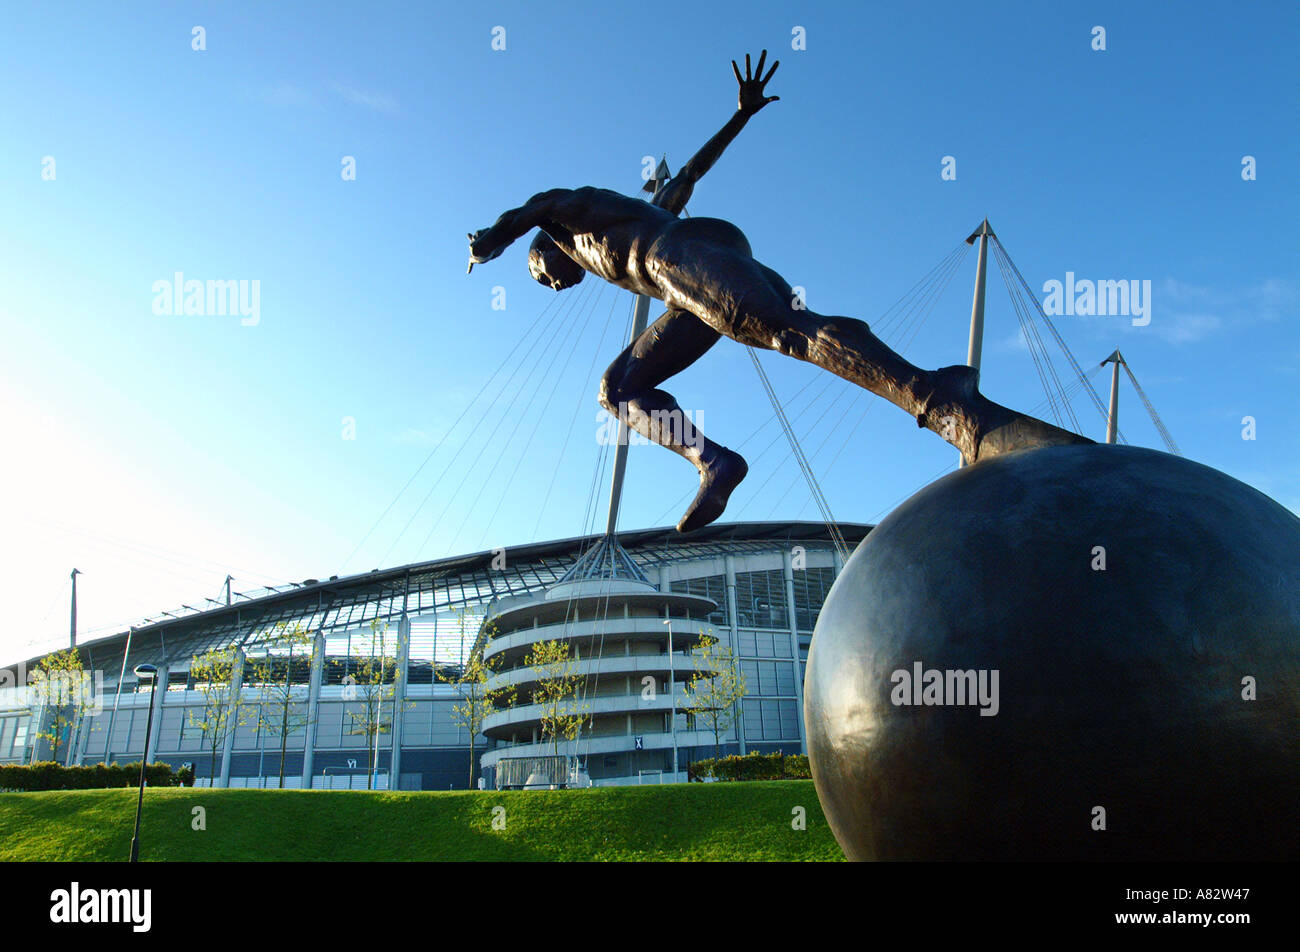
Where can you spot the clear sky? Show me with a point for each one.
(159, 452)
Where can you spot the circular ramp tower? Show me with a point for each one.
(630, 648)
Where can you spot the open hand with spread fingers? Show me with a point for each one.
(751, 86)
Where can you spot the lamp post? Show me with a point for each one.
(73, 621)
(672, 695)
(150, 673)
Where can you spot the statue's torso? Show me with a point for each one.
(613, 236)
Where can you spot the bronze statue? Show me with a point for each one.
(704, 271)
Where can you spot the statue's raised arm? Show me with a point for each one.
(752, 97)
(548, 265)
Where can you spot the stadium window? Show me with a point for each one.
(709, 586)
(760, 599)
(811, 586)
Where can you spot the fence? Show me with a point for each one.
(319, 782)
(516, 773)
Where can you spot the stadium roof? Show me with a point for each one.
(434, 586)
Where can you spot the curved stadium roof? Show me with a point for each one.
(434, 586)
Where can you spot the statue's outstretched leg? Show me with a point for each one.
(737, 296)
(629, 390)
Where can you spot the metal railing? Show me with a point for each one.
(518, 773)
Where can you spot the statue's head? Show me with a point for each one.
(550, 266)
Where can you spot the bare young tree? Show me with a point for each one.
(281, 712)
(715, 688)
(60, 685)
(555, 691)
(372, 687)
(476, 701)
(213, 676)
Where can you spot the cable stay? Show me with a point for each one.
(1028, 297)
(1155, 417)
(543, 405)
(820, 498)
(433, 452)
(898, 333)
(1072, 390)
(538, 369)
(1118, 360)
(584, 397)
(545, 333)
(1026, 306)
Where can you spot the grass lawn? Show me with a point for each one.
(718, 821)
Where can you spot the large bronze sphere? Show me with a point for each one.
(1141, 616)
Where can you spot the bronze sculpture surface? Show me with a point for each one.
(704, 271)
(1121, 724)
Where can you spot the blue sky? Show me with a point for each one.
(157, 452)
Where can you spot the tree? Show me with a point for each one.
(213, 674)
(556, 691)
(476, 701)
(715, 687)
(371, 687)
(278, 714)
(62, 686)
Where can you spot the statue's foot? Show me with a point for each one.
(717, 480)
(957, 385)
(979, 427)
(950, 408)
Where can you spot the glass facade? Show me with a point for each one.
(420, 740)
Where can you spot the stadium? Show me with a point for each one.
(633, 606)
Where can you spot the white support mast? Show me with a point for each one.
(975, 350)
(73, 619)
(1112, 418)
(640, 314)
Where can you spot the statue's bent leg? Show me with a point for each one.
(629, 390)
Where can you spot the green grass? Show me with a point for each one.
(698, 822)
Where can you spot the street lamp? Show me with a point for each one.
(144, 672)
(672, 695)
